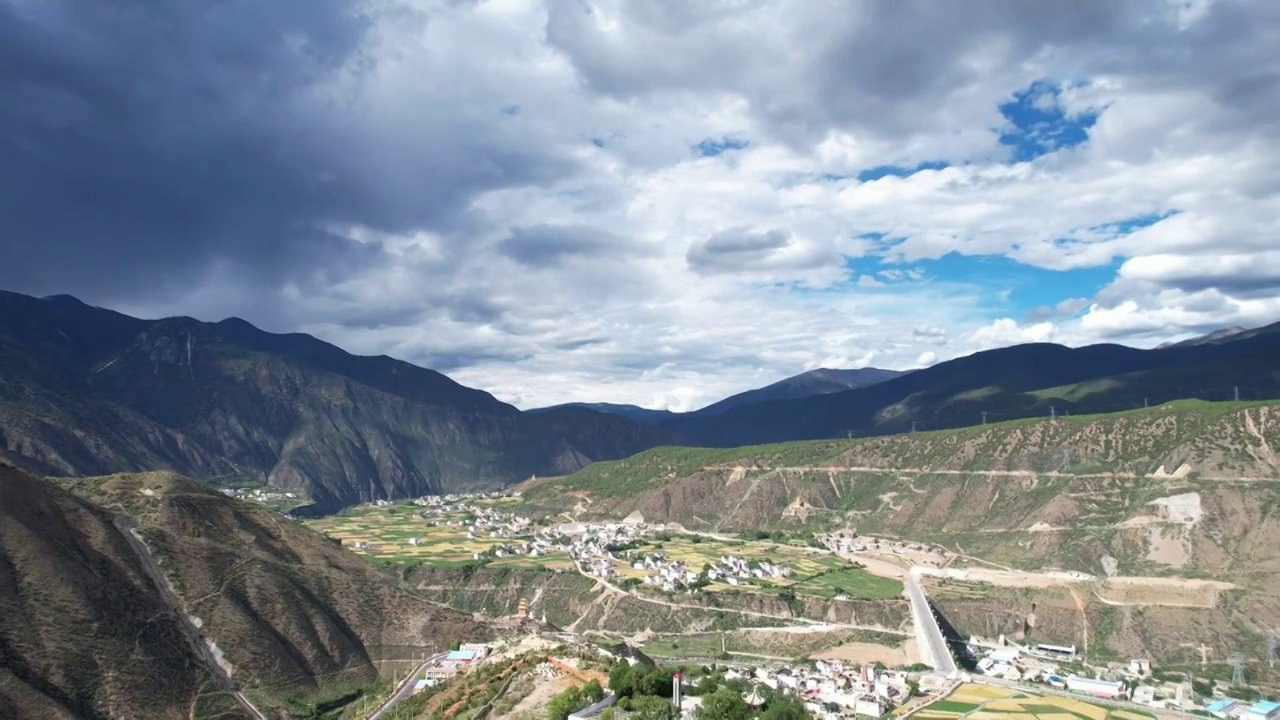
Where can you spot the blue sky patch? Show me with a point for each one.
(1008, 288)
(1027, 287)
(875, 173)
(712, 147)
(1038, 125)
(1128, 225)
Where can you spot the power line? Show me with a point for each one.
(1237, 669)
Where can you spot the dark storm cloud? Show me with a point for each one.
(900, 67)
(545, 245)
(142, 143)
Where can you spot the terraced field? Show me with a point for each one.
(972, 701)
(399, 533)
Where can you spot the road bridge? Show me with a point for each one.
(929, 638)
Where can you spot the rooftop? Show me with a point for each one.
(1265, 707)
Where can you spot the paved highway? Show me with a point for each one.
(929, 635)
(405, 689)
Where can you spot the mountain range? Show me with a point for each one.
(811, 382)
(1021, 381)
(87, 391)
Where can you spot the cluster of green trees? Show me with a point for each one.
(726, 703)
(574, 699)
(646, 691)
(638, 680)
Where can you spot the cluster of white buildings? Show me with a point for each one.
(731, 568)
(589, 544)
(860, 691)
(452, 499)
(261, 495)
(850, 542)
(670, 576)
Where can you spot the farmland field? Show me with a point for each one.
(815, 573)
(973, 701)
(399, 533)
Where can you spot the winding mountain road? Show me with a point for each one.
(203, 649)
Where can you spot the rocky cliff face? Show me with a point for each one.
(85, 391)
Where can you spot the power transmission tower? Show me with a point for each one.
(1237, 669)
(1066, 458)
(1273, 638)
(913, 426)
(1053, 413)
(984, 417)
(1144, 403)
(1236, 389)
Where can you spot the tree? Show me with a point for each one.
(652, 708)
(567, 702)
(622, 680)
(455, 646)
(593, 691)
(784, 708)
(723, 704)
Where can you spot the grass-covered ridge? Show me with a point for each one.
(1158, 432)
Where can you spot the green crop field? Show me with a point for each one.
(854, 582)
(973, 701)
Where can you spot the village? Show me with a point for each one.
(273, 498)
(633, 554)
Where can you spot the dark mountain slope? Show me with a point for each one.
(83, 631)
(88, 391)
(107, 623)
(1013, 382)
(820, 381)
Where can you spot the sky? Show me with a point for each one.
(654, 202)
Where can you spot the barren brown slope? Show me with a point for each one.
(294, 615)
(1191, 490)
(83, 632)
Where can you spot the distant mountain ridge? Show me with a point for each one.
(819, 381)
(635, 412)
(811, 382)
(1020, 381)
(87, 391)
